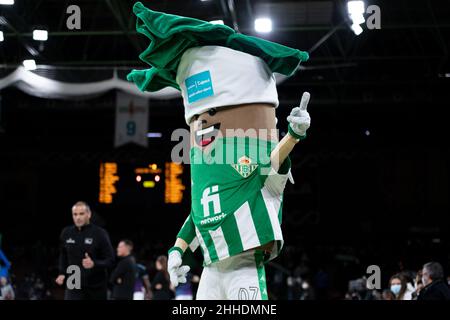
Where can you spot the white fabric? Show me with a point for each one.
(272, 193)
(194, 244)
(246, 227)
(234, 78)
(138, 295)
(7, 293)
(273, 204)
(276, 183)
(206, 256)
(42, 87)
(220, 244)
(409, 292)
(235, 278)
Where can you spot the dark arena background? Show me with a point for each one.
(371, 180)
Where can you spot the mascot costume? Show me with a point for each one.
(239, 168)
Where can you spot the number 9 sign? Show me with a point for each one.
(131, 128)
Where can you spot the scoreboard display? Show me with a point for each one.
(174, 185)
(108, 179)
(164, 182)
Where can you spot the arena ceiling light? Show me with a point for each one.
(263, 25)
(1, 36)
(154, 135)
(356, 10)
(29, 64)
(357, 29)
(7, 2)
(40, 35)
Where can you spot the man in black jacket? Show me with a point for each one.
(86, 246)
(123, 277)
(435, 286)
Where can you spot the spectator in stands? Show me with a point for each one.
(6, 290)
(142, 286)
(435, 288)
(400, 288)
(387, 295)
(123, 276)
(39, 289)
(161, 287)
(4, 265)
(418, 284)
(357, 290)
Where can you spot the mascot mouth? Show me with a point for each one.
(205, 136)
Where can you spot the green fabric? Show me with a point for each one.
(170, 36)
(259, 212)
(259, 260)
(295, 135)
(221, 185)
(176, 249)
(207, 170)
(230, 228)
(187, 231)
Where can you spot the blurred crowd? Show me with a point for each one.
(298, 276)
(295, 275)
(33, 280)
(428, 283)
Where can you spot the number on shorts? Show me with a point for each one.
(244, 294)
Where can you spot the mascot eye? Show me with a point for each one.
(212, 111)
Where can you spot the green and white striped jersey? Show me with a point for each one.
(236, 198)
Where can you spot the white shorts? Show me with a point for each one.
(241, 277)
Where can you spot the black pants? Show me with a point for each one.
(86, 294)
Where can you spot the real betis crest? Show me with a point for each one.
(245, 166)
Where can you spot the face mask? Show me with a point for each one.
(395, 288)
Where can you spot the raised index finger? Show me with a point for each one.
(305, 100)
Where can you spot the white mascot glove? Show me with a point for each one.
(299, 119)
(177, 272)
